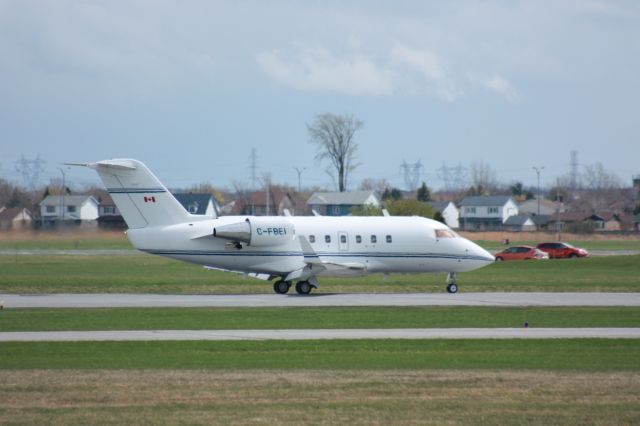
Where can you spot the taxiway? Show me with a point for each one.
(10, 301)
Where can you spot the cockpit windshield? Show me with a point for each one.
(445, 233)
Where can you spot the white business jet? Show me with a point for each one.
(286, 248)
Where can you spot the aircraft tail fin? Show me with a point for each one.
(139, 195)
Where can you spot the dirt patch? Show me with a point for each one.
(319, 397)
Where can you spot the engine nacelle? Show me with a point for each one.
(258, 231)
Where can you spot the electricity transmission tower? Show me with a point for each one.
(411, 174)
(454, 178)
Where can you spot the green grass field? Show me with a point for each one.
(311, 318)
(544, 354)
(547, 381)
(151, 274)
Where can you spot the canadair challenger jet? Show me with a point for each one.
(285, 248)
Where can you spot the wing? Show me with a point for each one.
(315, 265)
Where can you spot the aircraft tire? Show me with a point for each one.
(281, 287)
(303, 287)
(452, 288)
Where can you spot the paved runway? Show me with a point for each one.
(417, 333)
(11, 301)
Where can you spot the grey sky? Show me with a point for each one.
(190, 87)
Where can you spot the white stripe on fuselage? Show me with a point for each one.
(413, 246)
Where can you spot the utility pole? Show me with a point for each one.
(538, 170)
(558, 231)
(299, 170)
(62, 196)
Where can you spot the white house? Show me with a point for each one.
(519, 223)
(79, 209)
(449, 212)
(486, 213)
(15, 218)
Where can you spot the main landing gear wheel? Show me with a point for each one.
(281, 287)
(452, 286)
(303, 287)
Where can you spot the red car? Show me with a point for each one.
(562, 250)
(521, 253)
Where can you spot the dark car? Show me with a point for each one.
(562, 250)
(521, 253)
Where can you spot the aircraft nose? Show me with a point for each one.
(480, 253)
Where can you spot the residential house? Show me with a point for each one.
(279, 199)
(201, 204)
(486, 213)
(547, 207)
(567, 221)
(449, 212)
(340, 203)
(610, 221)
(588, 222)
(518, 223)
(69, 209)
(109, 216)
(15, 218)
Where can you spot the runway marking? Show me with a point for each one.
(322, 334)
(318, 299)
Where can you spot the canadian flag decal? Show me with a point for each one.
(149, 199)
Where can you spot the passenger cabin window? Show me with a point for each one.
(312, 238)
(444, 233)
(358, 239)
(374, 239)
(389, 238)
(327, 239)
(343, 239)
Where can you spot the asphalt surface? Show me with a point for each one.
(11, 301)
(418, 333)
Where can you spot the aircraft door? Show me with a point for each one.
(343, 241)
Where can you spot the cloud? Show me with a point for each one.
(502, 87)
(401, 71)
(423, 70)
(318, 69)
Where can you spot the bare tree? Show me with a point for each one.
(377, 185)
(483, 178)
(334, 136)
(601, 187)
(30, 170)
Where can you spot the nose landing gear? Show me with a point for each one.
(452, 286)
